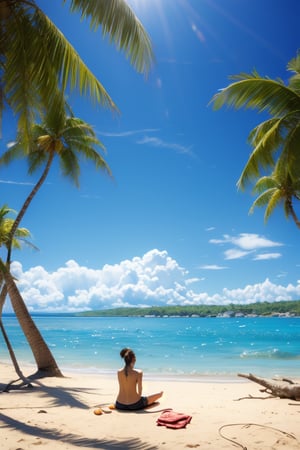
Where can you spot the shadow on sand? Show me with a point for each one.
(73, 439)
(62, 396)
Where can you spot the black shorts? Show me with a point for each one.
(140, 404)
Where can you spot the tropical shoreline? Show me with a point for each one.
(57, 413)
(29, 368)
(174, 348)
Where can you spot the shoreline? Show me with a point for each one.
(155, 376)
(180, 349)
(204, 377)
(58, 414)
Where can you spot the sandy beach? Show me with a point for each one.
(58, 413)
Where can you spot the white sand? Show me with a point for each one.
(57, 413)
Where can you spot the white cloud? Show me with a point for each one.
(212, 267)
(250, 241)
(127, 133)
(148, 280)
(246, 241)
(267, 256)
(156, 142)
(235, 253)
(266, 291)
(19, 183)
(153, 279)
(210, 229)
(245, 244)
(193, 280)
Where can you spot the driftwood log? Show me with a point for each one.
(283, 388)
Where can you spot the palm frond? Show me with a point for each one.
(54, 117)
(269, 198)
(90, 154)
(19, 90)
(75, 127)
(269, 139)
(294, 83)
(258, 93)
(265, 138)
(67, 62)
(262, 200)
(36, 159)
(122, 26)
(294, 64)
(267, 134)
(14, 152)
(37, 59)
(274, 201)
(69, 166)
(264, 184)
(291, 151)
(6, 224)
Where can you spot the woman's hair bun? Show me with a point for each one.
(124, 351)
(128, 355)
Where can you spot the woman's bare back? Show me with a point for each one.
(130, 385)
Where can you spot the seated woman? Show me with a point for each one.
(130, 385)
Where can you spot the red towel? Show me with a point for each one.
(172, 419)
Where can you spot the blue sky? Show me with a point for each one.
(170, 227)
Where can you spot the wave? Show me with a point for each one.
(274, 353)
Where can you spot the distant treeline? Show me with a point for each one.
(261, 309)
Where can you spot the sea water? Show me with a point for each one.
(170, 346)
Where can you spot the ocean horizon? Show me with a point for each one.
(185, 347)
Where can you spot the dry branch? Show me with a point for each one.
(282, 388)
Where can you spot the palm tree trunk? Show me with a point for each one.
(45, 361)
(7, 341)
(26, 381)
(293, 213)
(26, 205)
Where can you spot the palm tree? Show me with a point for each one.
(37, 59)
(37, 65)
(6, 224)
(278, 137)
(59, 135)
(277, 189)
(20, 234)
(67, 138)
(45, 361)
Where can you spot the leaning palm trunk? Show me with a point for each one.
(26, 205)
(45, 361)
(12, 355)
(293, 213)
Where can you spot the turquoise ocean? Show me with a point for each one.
(171, 347)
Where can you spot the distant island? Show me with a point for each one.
(265, 309)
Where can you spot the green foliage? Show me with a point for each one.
(120, 24)
(261, 309)
(69, 139)
(37, 60)
(6, 224)
(274, 142)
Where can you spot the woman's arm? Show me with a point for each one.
(140, 383)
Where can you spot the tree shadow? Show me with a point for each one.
(69, 438)
(58, 395)
(68, 396)
(65, 396)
